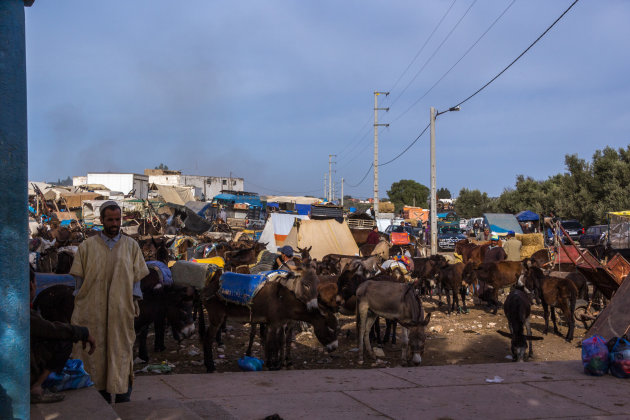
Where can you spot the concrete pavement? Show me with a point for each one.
(536, 390)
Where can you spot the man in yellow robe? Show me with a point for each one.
(108, 268)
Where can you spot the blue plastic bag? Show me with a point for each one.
(73, 376)
(595, 356)
(619, 362)
(250, 364)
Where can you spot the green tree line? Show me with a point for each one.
(585, 191)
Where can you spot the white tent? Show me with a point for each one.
(277, 228)
(325, 236)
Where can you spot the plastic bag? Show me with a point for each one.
(619, 357)
(595, 356)
(73, 376)
(250, 364)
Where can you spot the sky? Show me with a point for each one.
(267, 90)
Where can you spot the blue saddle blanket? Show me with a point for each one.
(45, 280)
(242, 288)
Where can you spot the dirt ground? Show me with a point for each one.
(451, 340)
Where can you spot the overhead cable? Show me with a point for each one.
(433, 55)
(463, 56)
(420, 50)
(520, 55)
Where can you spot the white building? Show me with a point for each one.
(205, 186)
(125, 183)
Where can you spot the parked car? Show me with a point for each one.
(573, 228)
(448, 236)
(396, 228)
(594, 235)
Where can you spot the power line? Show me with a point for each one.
(433, 55)
(476, 92)
(406, 148)
(357, 136)
(464, 55)
(421, 49)
(520, 55)
(362, 179)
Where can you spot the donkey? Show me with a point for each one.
(274, 305)
(518, 308)
(554, 292)
(394, 301)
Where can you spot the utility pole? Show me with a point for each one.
(330, 190)
(434, 114)
(341, 192)
(325, 186)
(376, 124)
(433, 183)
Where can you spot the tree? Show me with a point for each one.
(472, 203)
(407, 192)
(443, 193)
(162, 166)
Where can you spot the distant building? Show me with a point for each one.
(127, 183)
(205, 186)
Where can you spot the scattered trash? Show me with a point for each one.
(491, 325)
(451, 330)
(509, 357)
(220, 350)
(378, 352)
(250, 364)
(353, 350)
(196, 362)
(162, 368)
(139, 361)
(222, 356)
(193, 351)
(495, 380)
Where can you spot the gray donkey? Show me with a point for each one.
(396, 302)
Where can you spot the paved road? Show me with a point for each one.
(542, 390)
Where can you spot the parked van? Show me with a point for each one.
(471, 223)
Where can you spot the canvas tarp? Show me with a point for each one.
(75, 200)
(55, 193)
(43, 187)
(325, 236)
(277, 228)
(527, 216)
(91, 209)
(502, 223)
(176, 195)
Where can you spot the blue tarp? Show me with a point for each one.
(199, 207)
(242, 288)
(45, 280)
(303, 209)
(502, 222)
(252, 200)
(527, 216)
(274, 205)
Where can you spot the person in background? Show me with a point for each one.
(282, 261)
(108, 268)
(373, 237)
(51, 345)
(512, 247)
(485, 235)
(495, 252)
